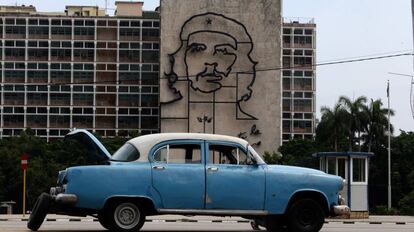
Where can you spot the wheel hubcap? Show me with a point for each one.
(306, 218)
(127, 215)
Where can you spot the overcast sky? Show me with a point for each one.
(345, 29)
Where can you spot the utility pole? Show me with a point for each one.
(389, 146)
(412, 79)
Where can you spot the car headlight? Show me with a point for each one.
(343, 184)
(62, 177)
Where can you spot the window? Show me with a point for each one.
(225, 154)
(342, 168)
(331, 166)
(126, 153)
(179, 154)
(38, 30)
(150, 56)
(358, 170)
(61, 31)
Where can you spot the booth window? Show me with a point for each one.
(342, 168)
(358, 170)
(332, 166)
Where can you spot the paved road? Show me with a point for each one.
(87, 226)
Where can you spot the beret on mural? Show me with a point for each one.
(211, 22)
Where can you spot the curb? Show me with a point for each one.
(367, 222)
(196, 221)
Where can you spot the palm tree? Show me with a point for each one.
(355, 117)
(333, 121)
(377, 125)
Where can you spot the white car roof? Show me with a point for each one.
(146, 142)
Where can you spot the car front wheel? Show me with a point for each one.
(305, 215)
(126, 217)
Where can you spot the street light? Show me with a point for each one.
(389, 128)
(205, 119)
(411, 89)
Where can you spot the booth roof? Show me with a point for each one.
(344, 154)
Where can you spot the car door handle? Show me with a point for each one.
(158, 168)
(212, 169)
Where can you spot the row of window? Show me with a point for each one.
(305, 61)
(77, 110)
(63, 132)
(132, 100)
(297, 31)
(64, 78)
(298, 94)
(297, 73)
(80, 44)
(35, 120)
(301, 105)
(79, 31)
(297, 52)
(191, 154)
(78, 22)
(297, 84)
(80, 66)
(338, 166)
(145, 56)
(297, 126)
(298, 40)
(297, 115)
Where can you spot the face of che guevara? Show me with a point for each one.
(209, 58)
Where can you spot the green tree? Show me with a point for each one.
(355, 118)
(332, 127)
(299, 152)
(377, 124)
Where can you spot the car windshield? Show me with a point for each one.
(126, 153)
(256, 156)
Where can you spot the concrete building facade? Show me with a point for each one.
(79, 69)
(219, 69)
(216, 68)
(299, 79)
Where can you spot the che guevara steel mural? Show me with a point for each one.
(213, 61)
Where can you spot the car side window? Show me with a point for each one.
(179, 154)
(226, 154)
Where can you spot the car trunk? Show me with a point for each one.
(97, 153)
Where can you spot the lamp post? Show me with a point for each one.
(389, 147)
(205, 119)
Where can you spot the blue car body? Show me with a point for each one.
(200, 185)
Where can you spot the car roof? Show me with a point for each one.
(146, 142)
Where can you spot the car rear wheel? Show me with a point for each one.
(39, 212)
(305, 215)
(126, 217)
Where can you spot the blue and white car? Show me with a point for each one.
(190, 174)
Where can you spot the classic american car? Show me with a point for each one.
(189, 174)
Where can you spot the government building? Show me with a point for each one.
(187, 66)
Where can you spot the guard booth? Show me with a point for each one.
(6, 207)
(353, 167)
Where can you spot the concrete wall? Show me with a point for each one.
(213, 54)
(128, 8)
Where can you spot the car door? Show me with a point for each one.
(233, 181)
(178, 174)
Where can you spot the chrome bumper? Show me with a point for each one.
(63, 198)
(341, 210)
(66, 199)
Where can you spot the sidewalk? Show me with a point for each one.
(178, 218)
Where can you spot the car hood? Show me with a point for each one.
(96, 149)
(296, 170)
